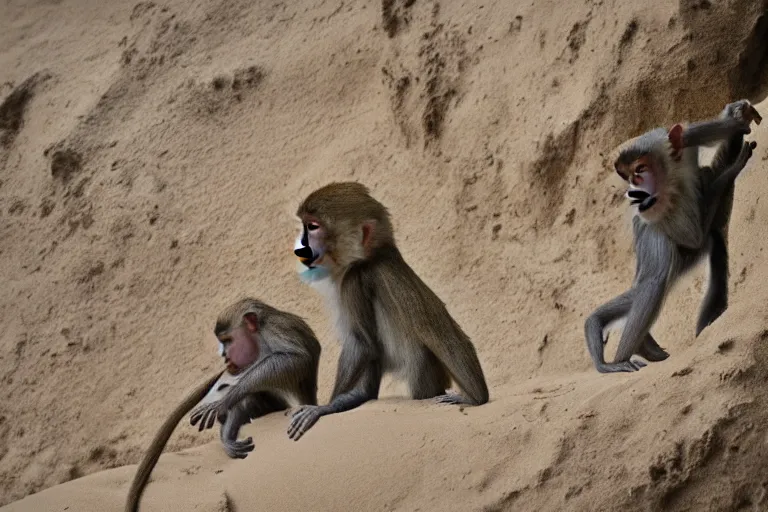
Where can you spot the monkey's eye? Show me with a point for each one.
(312, 226)
(640, 169)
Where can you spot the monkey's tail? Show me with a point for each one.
(158, 443)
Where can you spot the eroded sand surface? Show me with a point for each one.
(152, 156)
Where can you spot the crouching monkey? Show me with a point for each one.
(272, 357)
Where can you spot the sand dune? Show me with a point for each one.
(153, 155)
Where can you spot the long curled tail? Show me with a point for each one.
(161, 438)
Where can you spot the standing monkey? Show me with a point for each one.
(388, 319)
(683, 212)
(273, 356)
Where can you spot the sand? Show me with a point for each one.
(152, 157)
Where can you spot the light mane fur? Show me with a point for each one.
(680, 217)
(328, 288)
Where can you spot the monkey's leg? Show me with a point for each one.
(459, 357)
(716, 300)
(649, 295)
(358, 378)
(718, 189)
(596, 323)
(429, 377)
(250, 407)
(651, 350)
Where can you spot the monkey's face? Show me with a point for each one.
(645, 177)
(310, 246)
(240, 349)
(313, 248)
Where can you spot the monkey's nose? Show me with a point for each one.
(305, 255)
(638, 194)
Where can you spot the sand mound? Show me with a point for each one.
(151, 159)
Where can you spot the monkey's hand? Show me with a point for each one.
(452, 399)
(738, 165)
(207, 413)
(303, 419)
(238, 449)
(743, 111)
(624, 366)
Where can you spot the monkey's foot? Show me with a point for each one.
(653, 352)
(206, 414)
(303, 419)
(238, 449)
(706, 321)
(624, 366)
(655, 355)
(452, 399)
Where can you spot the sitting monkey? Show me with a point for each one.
(388, 319)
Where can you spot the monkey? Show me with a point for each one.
(387, 318)
(272, 357)
(682, 215)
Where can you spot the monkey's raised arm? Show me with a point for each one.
(713, 131)
(716, 204)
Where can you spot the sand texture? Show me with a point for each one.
(152, 156)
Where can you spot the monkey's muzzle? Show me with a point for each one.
(643, 199)
(305, 255)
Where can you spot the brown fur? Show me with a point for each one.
(286, 368)
(388, 319)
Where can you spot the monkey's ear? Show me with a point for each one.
(368, 229)
(621, 172)
(676, 137)
(251, 321)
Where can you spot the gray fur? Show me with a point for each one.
(695, 225)
(287, 369)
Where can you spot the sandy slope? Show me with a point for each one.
(152, 156)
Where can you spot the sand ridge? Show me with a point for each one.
(153, 155)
